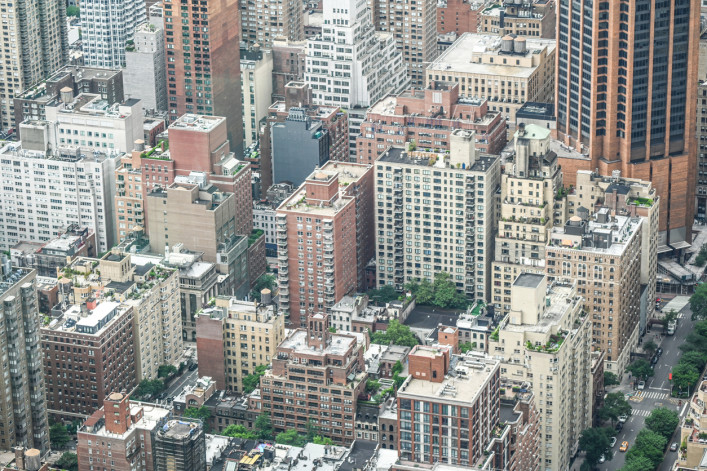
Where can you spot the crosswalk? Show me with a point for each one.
(651, 394)
(641, 413)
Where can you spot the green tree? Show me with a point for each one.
(637, 462)
(202, 413)
(649, 444)
(252, 381)
(384, 294)
(685, 376)
(615, 405)
(663, 421)
(650, 347)
(264, 282)
(670, 316)
(698, 302)
(696, 340)
(640, 369)
(164, 371)
(58, 435)
(263, 426)
(425, 293)
(701, 258)
(466, 346)
(68, 461)
(595, 442)
(696, 359)
(290, 437)
(610, 379)
(149, 387)
(73, 11)
(239, 431)
(319, 440)
(397, 333)
(372, 386)
(445, 292)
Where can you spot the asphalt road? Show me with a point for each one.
(187, 378)
(656, 394)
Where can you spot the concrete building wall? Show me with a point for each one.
(144, 75)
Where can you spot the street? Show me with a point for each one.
(187, 378)
(656, 394)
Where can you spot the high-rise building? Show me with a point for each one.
(264, 21)
(506, 71)
(443, 418)
(403, 119)
(35, 42)
(459, 16)
(701, 188)
(24, 407)
(414, 27)
(203, 70)
(122, 431)
(545, 345)
(603, 253)
(256, 90)
(105, 363)
(253, 330)
(87, 186)
(180, 445)
(106, 29)
(144, 75)
(532, 19)
(626, 97)
(447, 221)
(327, 367)
(365, 62)
(531, 204)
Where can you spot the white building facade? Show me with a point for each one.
(106, 28)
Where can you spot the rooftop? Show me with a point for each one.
(182, 429)
(457, 57)
(152, 416)
(197, 123)
(529, 280)
(397, 155)
(562, 299)
(339, 344)
(468, 374)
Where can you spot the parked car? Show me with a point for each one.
(674, 446)
(654, 360)
(612, 443)
(602, 458)
(623, 418)
(641, 385)
(619, 426)
(624, 446)
(659, 352)
(193, 366)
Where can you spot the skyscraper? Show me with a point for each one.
(106, 28)
(626, 97)
(34, 45)
(203, 68)
(23, 408)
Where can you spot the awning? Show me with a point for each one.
(680, 245)
(664, 248)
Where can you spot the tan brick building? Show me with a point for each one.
(458, 16)
(536, 19)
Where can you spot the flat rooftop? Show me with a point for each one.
(457, 57)
(563, 298)
(397, 155)
(460, 388)
(197, 123)
(529, 280)
(179, 429)
(297, 341)
(348, 172)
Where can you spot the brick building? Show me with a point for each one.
(427, 118)
(88, 352)
(288, 63)
(535, 19)
(316, 378)
(459, 16)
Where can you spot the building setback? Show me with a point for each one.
(24, 410)
(203, 75)
(634, 112)
(144, 74)
(107, 28)
(435, 213)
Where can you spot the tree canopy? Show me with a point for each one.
(266, 281)
(165, 371)
(58, 435)
(442, 292)
(615, 405)
(239, 431)
(637, 462)
(663, 421)
(149, 387)
(595, 442)
(397, 333)
(685, 376)
(698, 302)
(640, 369)
(650, 347)
(263, 426)
(68, 461)
(649, 444)
(610, 379)
(202, 413)
(252, 381)
(384, 294)
(290, 437)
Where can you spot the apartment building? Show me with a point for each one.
(603, 253)
(544, 341)
(531, 203)
(202, 73)
(264, 22)
(425, 118)
(144, 74)
(531, 19)
(89, 122)
(180, 445)
(316, 378)
(36, 43)
(122, 433)
(264, 214)
(24, 409)
(106, 30)
(288, 64)
(448, 407)
(506, 71)
(435, 213)
(56, 191)
(414, 27)
(701, 188)
(203, 219)
(692, 425)
(458, 16)
(234, 337)
(88, 352)
(256, 90)
(629, 197)
(31, 103)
